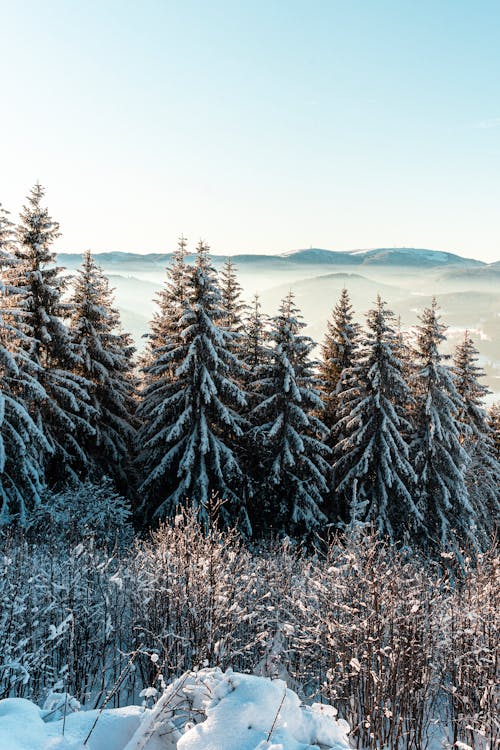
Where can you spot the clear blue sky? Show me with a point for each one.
(258, 125)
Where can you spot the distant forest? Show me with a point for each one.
(226, 412)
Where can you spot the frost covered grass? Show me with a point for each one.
(405, 649)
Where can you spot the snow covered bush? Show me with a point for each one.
(203, 710)
(396, 643)
(87, 509)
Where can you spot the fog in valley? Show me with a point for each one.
(407, 278)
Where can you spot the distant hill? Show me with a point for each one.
(485, 272)
(467, 289)
(394, 256)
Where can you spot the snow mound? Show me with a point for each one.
(23, 728)
(255, 713)
(204, 710)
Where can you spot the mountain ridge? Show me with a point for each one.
(396, 256)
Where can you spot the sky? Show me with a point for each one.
(257, 125)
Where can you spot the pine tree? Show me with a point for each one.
(338, 353)
(404, 350)
(7, 239)
(232, 307)
(255, 351)
(171, 301)
(440, 461)
(293, 454)
(373, 476)
(105, 355)
(190, 420)
(494, 425)
(21, 441)
(483, 472)
(9, 334)
(61, 407)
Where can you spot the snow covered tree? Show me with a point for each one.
(7, 239)
(105, 360)
(231, 305)
(9, 335)
(404, 350)
(255, 351)
(190, 421)
(171, 301)
(372, 475)
(338, 351)
(232, 310)
(494, 425)
(439, 459)
(483, 472)
(61, 407)
(21, 441)
(290, 435)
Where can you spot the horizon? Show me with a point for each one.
(256, 127)
(284, 253)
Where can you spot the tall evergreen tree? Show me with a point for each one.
(440, 461)
(171, 301)
(190, 420)
(254, 353)
(105, 360)
(254, 349)
(494, 425)
(404, 350)
(294, 464)
(21, 441)
(373, 476)
(338, 352)
(476, 435)
(7, 239)
(61, 407)
(232, 307)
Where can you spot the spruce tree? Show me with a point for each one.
(7, 239)
(290, 435)
(171, 301)
(494, 425)
(439, 459)
(372, 475)
(338, 352)
(105, 360)
(190, 412)
(61, 406)
(254, 353)
(254, 348)
(483, 472)
(21, 441)
(232, 307)
(404, 351)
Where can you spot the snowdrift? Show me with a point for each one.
(204, 710)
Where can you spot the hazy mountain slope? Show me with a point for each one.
(317, 296)
(135, 300)
(393, 256)
(406, 277)
(487, 274)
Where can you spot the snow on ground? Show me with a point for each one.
(22, 728)
(250, 713)
(206, 710)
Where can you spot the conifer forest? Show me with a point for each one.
(237, 495)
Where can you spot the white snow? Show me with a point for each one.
(22, 728)
(228, 711)
(253, 713)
